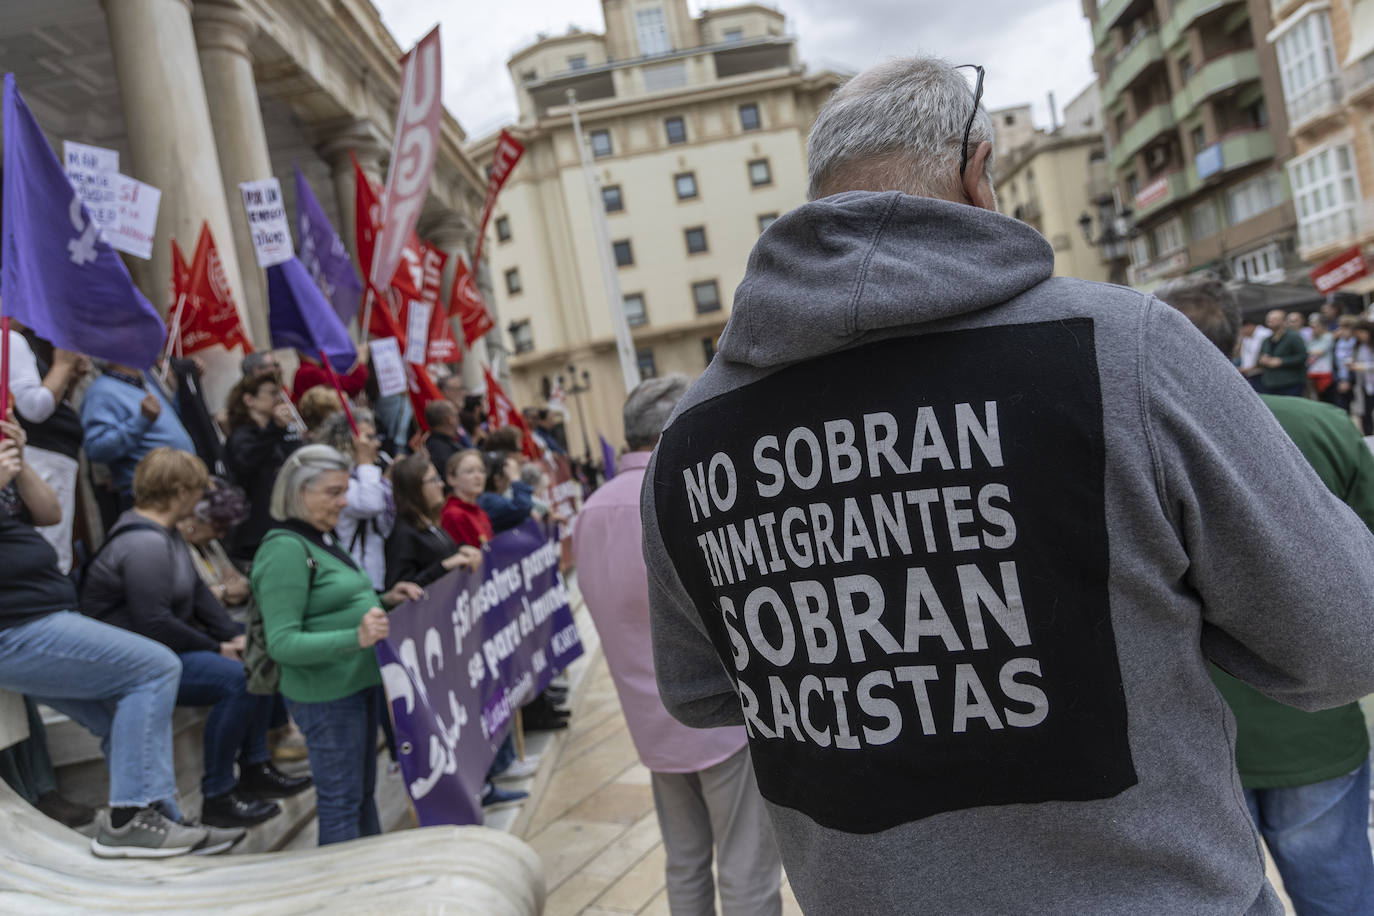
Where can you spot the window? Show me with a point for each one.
(611, 199)
(1307, 66)
(1009, 120)
(1185, 67)
(759, 173)
(624, 254)
(1168, 237)
(708, 349)
(503, 228)
(529, 76)
(577, 62)
(522, 336)
(766, 220)
(1198, 137)
(1326, 194)
(1132, 185)
(706, 295)
(686, 184)
(1140, 250)
(1264, 265)
(1119, 121)
(1202, 220)
(601, 143)
(736, 34)
(513, 281)
(652, 28)
(749, 117)
(696, 240)
(1253, 197)
(634, 310)
(676, 129)
(647, 368)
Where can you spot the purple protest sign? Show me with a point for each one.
(459, 663)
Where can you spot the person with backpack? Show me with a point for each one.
(144, 580)
(320, 619)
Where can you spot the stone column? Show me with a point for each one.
(334, 142)
(171, 141)
(223, 34)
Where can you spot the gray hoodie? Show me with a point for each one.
(955, 541)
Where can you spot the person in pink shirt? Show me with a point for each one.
(703, 782)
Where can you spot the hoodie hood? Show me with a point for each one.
(834, 270)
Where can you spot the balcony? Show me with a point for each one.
(1183, 13)
(1142, 53)
(1164, 191)
(1216, 75)
(1315, 105)
(1321, 237)
(1232, 152)
(1146, 127)
(1100, 186)
(1359, 81)
(1108, 12)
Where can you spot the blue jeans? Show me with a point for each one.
(341, 739)
(1319, 838)
(237, 727)
(119, 685)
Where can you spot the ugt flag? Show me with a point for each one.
(302, 318)
(60, 277)
(324, 255)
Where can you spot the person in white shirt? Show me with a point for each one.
(1252, 335)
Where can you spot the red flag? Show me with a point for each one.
(442, 347)
(502, 412)
(366, 215)
(181, 273)
(465, 303)
(208, 316)
(422, 390)
(508, 152)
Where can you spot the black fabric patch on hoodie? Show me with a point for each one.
(900, 553)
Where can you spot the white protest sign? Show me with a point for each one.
(386, 363)
(417, 332)
(94, 173)
(133, 229)
(267, 220)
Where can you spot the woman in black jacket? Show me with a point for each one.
(418, 550)
(261, 437)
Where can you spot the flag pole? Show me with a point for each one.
(338, 388)
(295, 414)
(4, 370)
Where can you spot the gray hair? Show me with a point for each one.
(897, 126)
(254, 362)
(305, 466)
(648, 407)
(337, 434)
(1207, 302)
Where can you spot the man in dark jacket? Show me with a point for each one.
(954, 539)
(1283, 357)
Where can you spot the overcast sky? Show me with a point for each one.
(1029, 47)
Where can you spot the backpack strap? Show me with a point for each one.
(310, 561)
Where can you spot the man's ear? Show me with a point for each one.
(977, 186)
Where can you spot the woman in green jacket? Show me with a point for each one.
(322, 617)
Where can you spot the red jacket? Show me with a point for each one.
(466, 523)
(309, 375)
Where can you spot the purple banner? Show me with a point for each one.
(460, 662)
(324, 255)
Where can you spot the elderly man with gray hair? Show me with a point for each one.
(704, 788)
(954, 540)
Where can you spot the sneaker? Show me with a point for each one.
(148, 835)
(237, 809)
(494, 798)
(218, 839)
(519, 769)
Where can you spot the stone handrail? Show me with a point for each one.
(47, 868)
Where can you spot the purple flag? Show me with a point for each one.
(59, 275)
(301, 317)
(607, 457)
(324, 255)
(460, 661)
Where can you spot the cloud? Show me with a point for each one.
(1029, 47)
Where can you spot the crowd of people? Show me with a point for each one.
(280, 509)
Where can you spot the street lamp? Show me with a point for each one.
(573, 388)
(1116, 230)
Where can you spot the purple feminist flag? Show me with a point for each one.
(607, 457)
(459, 662)
(59, 276)
(324, 255)
(301, 317)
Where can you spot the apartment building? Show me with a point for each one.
(1325, 50)
(697, 131)
(1198, 134)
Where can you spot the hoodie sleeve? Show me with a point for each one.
(1284, 611)
(692, 680)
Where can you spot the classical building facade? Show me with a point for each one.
(1325, 51)
(697, 132)
(1051, 179)
(1198, 135)
(200, 95)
